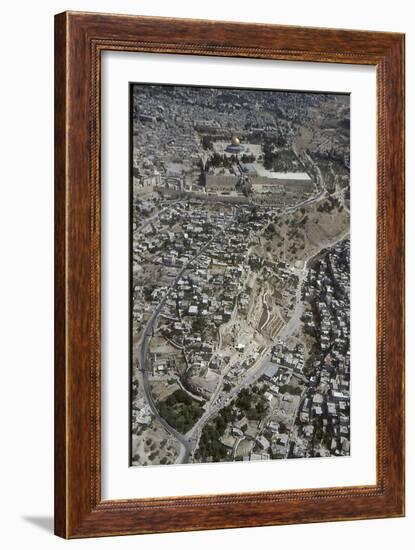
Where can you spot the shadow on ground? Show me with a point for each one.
(43, 522)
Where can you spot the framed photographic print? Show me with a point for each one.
(229, 287)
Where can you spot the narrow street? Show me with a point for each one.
(141, 352)
(189, 441)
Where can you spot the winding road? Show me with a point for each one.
(141, 353)
(189, 441)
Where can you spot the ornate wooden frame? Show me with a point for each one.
(79, 40)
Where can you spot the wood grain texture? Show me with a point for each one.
(79, 40)
(60, 277)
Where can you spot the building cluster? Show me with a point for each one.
(206, 254)
(257, 180)
(206, 259)
(315, 382)
(214, 282)
(168, 149)
(324, 419)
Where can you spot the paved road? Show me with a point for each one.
(142, 355)
(153, 217)
(257, 370)
(142, 349)
(213, 407)
(190, 440)
(291, 432)
(185, 447)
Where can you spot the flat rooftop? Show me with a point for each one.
(298, 176)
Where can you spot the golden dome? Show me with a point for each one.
(235, 140)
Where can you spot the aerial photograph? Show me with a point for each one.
(239, 274)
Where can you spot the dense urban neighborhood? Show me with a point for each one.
(240, 275)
